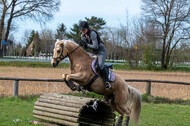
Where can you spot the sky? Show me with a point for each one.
(71, 11)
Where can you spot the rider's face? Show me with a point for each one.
(84, 31)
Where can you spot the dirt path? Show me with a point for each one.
(27, 88)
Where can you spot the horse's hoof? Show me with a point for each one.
(64, 76)
(67, 77)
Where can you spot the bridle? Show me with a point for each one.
(61, 57)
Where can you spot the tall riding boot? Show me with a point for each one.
(104, 74)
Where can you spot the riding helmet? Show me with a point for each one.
(83, 25)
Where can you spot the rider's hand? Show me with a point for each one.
(83, 44)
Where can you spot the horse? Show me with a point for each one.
(123, 98)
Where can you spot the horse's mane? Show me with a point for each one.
(70, 41)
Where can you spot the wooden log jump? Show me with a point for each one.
(73, 111)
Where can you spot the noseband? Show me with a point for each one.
(61, 57)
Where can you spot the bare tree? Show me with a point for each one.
(126, 41)
(173, 19)
(38, 10)
(111, 38)
(47, 41)
(146, 41)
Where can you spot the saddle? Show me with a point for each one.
(96, 69)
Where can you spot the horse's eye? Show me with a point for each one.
(58, 51)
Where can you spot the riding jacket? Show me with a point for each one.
(93, 42)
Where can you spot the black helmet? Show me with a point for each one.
(83, 25)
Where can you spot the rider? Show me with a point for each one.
(90, 39)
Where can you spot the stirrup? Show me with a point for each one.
(108, 86)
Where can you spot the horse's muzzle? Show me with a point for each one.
(54, 64)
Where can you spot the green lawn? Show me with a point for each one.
(165, 115)
(31, 64)
(18, 112)
(66, 65)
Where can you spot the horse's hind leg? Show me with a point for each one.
(119, 121)
(111, 99)
(126, 111)
(121, 100)
(126, 123)
(116, 108)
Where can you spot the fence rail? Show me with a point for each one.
(148, 86)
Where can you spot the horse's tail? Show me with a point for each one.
(136, 109)
(134, 103)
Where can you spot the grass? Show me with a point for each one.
(158, 100)
(66, 65)
(165, 115)
(17, 111)
(31, 64)
(6, 58)
(183, 69)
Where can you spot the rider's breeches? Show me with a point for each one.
(101, 59)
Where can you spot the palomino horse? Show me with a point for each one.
(124, 99)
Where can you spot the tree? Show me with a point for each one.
(113, 38)
(47, 41)
(37, 45)
(146, 42)
(61, 31)
(4, 10)
(173, 19)
(18, 49)
(75, 33)
(94, 23)
(30, 38)
(38, 10)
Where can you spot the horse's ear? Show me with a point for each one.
(62, 44)
(57, 40)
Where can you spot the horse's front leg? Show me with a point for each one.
(68, 78)
(64, 76)
(75, 77)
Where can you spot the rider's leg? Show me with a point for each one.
(104, 74)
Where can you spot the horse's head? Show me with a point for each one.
(59, 53)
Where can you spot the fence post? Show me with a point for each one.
(15, 87)
(148, 88)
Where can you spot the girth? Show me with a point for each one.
(87, 87)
